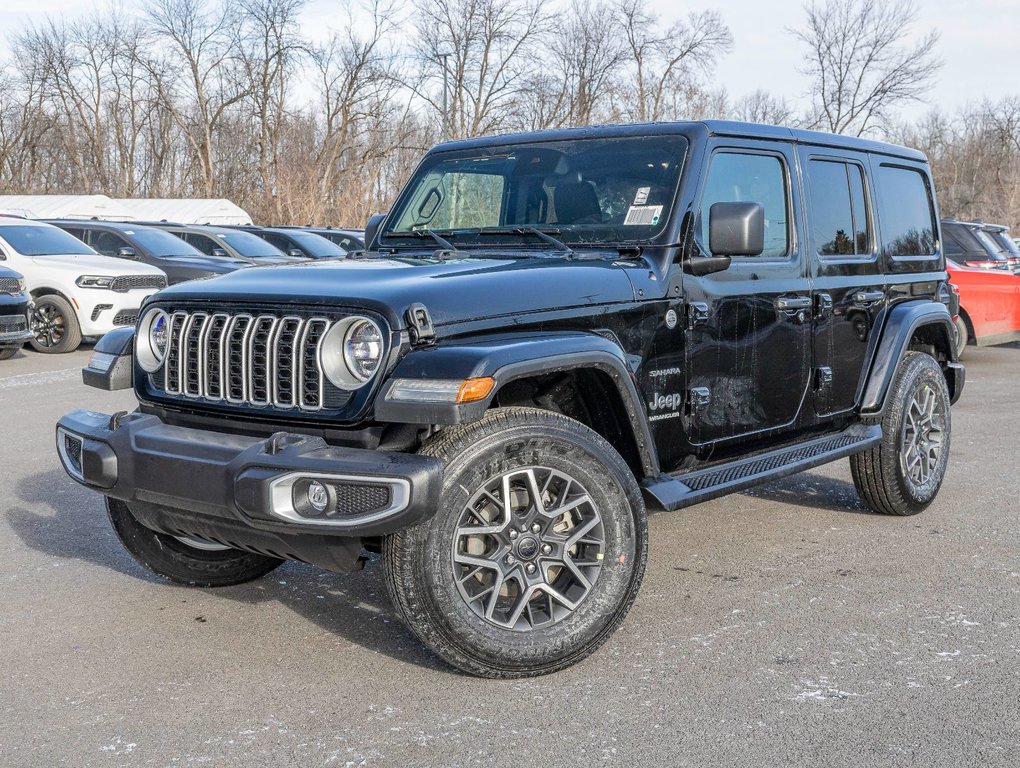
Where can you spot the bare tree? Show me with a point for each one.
(489, 50)
(760, 106)
(860, 64)
(666, 62)
(197, 72)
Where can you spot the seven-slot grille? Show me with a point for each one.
(246, 359)
(131, 282)
(9, 285)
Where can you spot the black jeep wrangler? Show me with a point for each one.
(548, 335)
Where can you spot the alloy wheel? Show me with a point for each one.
(528, 548)
(921, 439)
(49, 325)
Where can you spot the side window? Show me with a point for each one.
(203, 243)
(838, 209)
(77, 232)
(280, 242)
(950, 244)
(108, 243)
(737, 177)
(906, 212)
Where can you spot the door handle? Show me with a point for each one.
(868, 297)
(793, 303)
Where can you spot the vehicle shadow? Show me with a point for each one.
(814, 491)
(63, 520)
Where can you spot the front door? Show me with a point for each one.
(846, 272)
(749, 327)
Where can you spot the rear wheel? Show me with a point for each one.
(55, 326)
(195, 562)
(903, 473)
(535, 554)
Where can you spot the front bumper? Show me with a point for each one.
(100, 311)
(240, 490)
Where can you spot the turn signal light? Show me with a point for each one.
(473, 390)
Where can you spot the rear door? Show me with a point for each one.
(749, 327)
(849, 286)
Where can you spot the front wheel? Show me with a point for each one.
(903, 473)
(535, 554)
(55, 326)
(6, 353)
(185, 560)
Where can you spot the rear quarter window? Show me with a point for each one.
(907, 213)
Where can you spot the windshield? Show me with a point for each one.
(1005, 242)
(613, 190)
(994, 248)
(160, 243)
(317, 246)
(35, 240)
(250, 246)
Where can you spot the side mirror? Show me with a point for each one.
(736, 229)
(296, 252)
(218, 252)
(126, 252)
(372, 230)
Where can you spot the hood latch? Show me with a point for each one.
(419, 324)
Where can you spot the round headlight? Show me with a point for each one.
(151, 338)
(352, 352)
(363, 347)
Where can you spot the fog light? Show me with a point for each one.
(318, 496)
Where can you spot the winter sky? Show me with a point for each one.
(980, 42)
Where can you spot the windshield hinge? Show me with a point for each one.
(419, 325)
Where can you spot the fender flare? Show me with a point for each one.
(903, 321)
(505, 359)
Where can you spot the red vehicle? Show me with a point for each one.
(989, 305)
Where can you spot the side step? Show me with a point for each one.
(682, 490)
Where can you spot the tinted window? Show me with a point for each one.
(108, 243)
(839, 222)
(906, 211)
(1006, 241)
(313, 245)
(36, 240)
(273, 239)
(950, 244)
(248, 245)
(160, 243)
(742, 178)
(201, 242)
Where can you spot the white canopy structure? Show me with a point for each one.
(64, 207)
(185, 210)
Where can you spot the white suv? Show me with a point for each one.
(77, 292)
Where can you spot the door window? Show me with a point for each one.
(203, 243)
(906, 212)
(108, 243)
(737, 177)
(838, 211)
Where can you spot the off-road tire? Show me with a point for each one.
(172, 559)
(962, 336)
(69, 338)
(6, 353)
(879, 473)
(419, 561)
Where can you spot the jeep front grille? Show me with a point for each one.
(242, 359)
(131, 282)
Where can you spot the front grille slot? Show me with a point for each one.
(13, 324)
(10, 285)
(259, 360)
(126, 283)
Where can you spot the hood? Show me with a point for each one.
(452, 290)
(94, 264)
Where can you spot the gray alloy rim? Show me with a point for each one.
(921, 439)
(49, 325)
(202, 544)
(528, 548)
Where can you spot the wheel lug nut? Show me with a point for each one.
(546, 549)
(535, 528)
(513, 533)
(530, 568)
(510, 560)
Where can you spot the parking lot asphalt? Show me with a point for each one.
(784, 626)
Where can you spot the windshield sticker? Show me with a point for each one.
(129, 231)
(642, 195)
(638, 215)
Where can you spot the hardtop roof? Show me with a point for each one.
(711, 127)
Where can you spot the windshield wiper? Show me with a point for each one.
(449, 247)
(527, 229)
